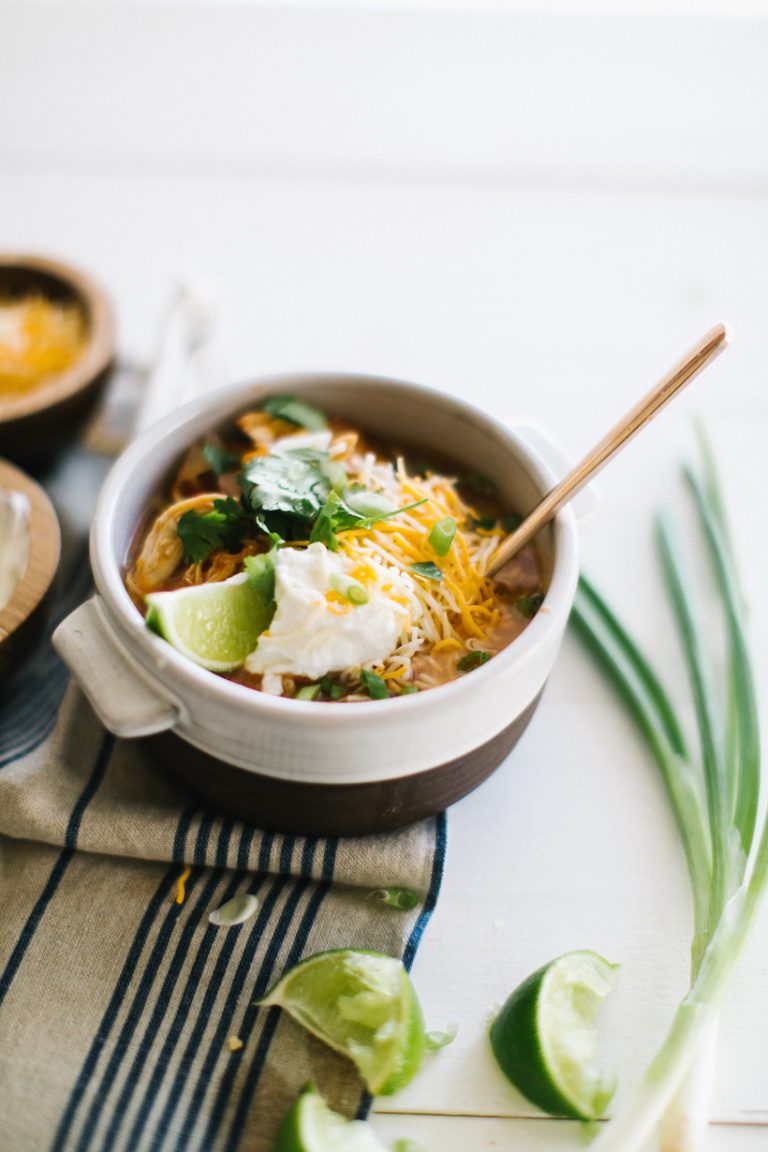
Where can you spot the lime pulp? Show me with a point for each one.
(215, 625)
(363, 1005)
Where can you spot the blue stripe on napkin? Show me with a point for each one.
(132, 960)
(61, 865)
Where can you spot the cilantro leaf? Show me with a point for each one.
(295, 412)
(336, 515)
(221, 459)
(427, 569)
(275, 537)
(375, 685)
(323, 529)
(293, 483)
(201, 533)
(261, 574)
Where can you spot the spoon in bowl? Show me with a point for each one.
(699, 356)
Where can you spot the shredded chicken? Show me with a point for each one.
(162, 551)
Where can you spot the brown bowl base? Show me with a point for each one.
(333, 809)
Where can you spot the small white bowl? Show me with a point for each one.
(303, 766)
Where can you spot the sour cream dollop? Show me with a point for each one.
(14, 542)
(315, 630)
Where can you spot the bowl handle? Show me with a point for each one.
(122, 695)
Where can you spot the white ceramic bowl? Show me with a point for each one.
(303, 766)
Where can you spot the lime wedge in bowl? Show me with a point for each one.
(363, 1005)
(544, 1036)
(311, 1126)
(215, 625)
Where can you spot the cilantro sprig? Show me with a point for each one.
(293, 482)
(336, 516)
(223, 526)
(289, 494)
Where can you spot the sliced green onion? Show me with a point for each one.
(404, 899)
(375, 685)
(408, 689)
(473, 660)
(367, 503)
(331, 688)
(350, 589)
(442, 535)
(336, 475)
(308, 692)
(295, 412)
(437, 1040)
(528, 606)
(427, 569)
(235, 911)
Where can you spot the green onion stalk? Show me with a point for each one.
(712, 783)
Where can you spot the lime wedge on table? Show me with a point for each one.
(362, 1004)
(544, 1036)
(216, 625)
(311, 1126)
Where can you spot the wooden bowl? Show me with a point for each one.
(36, 424)
(24, 616)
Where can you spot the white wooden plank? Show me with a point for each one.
(458, 1134)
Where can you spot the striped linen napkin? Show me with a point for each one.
(127, 1020)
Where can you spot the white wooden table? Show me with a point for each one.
(537, 213)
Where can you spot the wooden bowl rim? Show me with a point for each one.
(44, 550)
(99, 351)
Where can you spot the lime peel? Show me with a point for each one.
(544, 1036)
(362, 1004)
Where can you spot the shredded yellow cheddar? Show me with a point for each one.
(181, 887)
(39, 338)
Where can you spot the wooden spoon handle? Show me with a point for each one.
(699, 356)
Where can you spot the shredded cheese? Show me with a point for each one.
(181, 887)
(445, 615)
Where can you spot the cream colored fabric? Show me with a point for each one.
(120, 1009)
